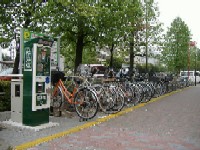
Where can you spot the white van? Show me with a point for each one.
(191, 75)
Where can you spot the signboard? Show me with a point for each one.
(41, 77)
(27, 59)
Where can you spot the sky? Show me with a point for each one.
(187, 10)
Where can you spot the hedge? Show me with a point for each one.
(5, 99)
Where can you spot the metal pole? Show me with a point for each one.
(195, 66)
(146, 45)
(21, 50)
(188, 61)
(0, 57)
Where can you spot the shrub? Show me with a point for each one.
(5, 99)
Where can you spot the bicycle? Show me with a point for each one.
(110, 97)
(83, 99)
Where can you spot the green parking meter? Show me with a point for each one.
(39, 55)
(36, 82)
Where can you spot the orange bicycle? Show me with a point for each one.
(83, 99)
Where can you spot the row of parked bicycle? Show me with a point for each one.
(87, 96)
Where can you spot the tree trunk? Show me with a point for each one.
(79, 51)
(16, 63)
(131, 60)
(111, 56)
(17, 58)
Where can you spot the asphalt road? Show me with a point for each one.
(171, 122)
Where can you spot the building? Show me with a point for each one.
(6, 67)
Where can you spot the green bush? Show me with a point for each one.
(5, 99)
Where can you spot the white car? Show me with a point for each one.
(191, 75)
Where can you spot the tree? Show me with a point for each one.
(74, 22)
(194, 58)
(134, 20)
(81, 25)
(16, 15)
(152, 28)
(176, 46)
(111, 25)
(144, 28)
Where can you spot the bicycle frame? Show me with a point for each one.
(68, 95)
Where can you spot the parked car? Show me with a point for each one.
(191, 75)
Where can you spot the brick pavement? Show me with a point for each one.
(102, 137)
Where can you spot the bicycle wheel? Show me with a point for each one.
(57, 99)
(128, 95)
(119, 101)
(137, 95)
(106, 99)
(158, 90)
(139, 92)
(86, 104)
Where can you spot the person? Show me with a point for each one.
(94, 70)
(125, 72)
(119, 74)
(106, 73)
(111, 73)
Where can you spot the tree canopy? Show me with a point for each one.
(81, 25)
(176, 46)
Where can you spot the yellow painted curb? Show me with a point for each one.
(89, 124)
